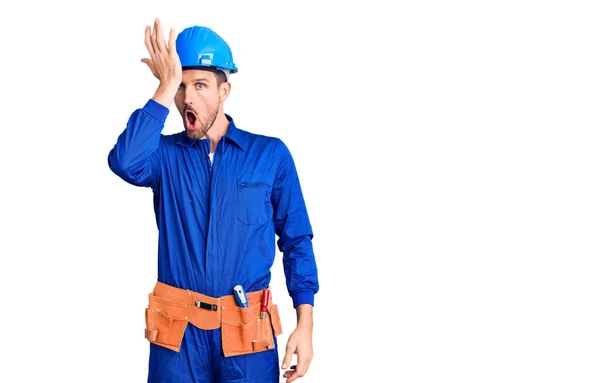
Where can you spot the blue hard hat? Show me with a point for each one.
(202, 48)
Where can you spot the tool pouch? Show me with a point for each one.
(170, 309)
(244, 332)
(164, 325)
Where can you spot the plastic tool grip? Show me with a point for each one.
(240, 296)
(264, 303)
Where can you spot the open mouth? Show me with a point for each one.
(190, 120)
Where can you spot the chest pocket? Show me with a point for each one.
(254, 199)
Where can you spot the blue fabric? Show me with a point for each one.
(217, 223)
(200, 360)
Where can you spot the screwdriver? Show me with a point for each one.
(240, 296)
(264, 303)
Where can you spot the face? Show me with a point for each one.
(198, 101)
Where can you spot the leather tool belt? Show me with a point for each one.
(170, 309)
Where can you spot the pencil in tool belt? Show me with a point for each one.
(264, 303)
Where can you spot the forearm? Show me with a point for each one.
(135, 155)
(300, 269)
(304, 315)
(165, 94)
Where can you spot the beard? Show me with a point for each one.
(202, 124)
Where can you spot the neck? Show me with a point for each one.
(218, 130)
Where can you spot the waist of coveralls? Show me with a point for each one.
(184, 304)
(243, 330)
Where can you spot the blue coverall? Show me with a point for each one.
(217, 225)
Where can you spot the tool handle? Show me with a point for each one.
(265, 301)
(240, 296)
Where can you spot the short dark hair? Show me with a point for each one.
(221, 77)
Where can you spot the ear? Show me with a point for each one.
(224, 90)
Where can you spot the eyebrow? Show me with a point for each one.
(200, 79)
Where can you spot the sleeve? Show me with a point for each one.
(135, 157)
(294, 231)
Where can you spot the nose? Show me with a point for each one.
(187, 97)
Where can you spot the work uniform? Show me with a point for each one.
(217, 224)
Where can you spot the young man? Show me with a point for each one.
(221, 195)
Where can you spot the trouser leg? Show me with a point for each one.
(191, 365)
(260, 367)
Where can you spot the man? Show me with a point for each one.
(221, 195)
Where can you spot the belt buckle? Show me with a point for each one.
(206, 306)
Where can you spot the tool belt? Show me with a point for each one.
(170, 309)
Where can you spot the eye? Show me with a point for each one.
(181, 87)
(200, 85)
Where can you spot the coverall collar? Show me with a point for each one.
(234, 134)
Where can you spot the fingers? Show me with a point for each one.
(289, 372)
(300, 370)
(292, 375)
(302, 366)
(160, 37)
(153, 37)
(148, 41)
(163, 61)
(149, 63)
(155, 40)
(289, 351)
(171, 47)
(151, 66)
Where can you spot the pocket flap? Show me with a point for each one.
(163, 329)
(151, 335)
(263, 344)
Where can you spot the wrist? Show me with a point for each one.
(169, 84)
(304, 315)
(165, 93)
(305, 325)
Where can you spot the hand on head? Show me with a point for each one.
(164, 61)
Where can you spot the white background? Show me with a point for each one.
(448, 153)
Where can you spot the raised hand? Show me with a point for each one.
(163, 62)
